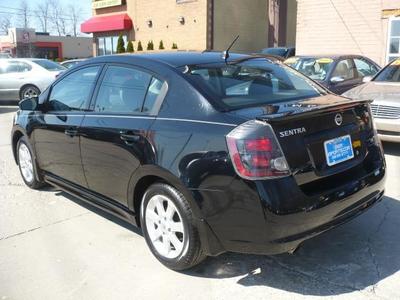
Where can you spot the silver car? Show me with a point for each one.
(384, 90)
(26, 77)
(72, 62)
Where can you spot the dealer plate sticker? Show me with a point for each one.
(338, 150)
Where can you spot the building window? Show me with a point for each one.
(108, 45)
(393, 51)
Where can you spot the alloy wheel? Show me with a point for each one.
(30, 92)
(25, 162)
(165, 226)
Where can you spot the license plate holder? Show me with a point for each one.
(338, 150)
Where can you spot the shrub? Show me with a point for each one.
(129, 47)
(161, 46)
(150, 45)
(120, 44)
(139, 46)
(174, 46)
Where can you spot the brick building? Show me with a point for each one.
(368, 27)
(192, 24)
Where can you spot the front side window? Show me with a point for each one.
(365, 68)
(344, 69)
(255, 82)
(73, 91)
(124, 90)
(393, 51)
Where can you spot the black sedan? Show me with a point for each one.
(283, 52)
(206, 154)
(338, 73)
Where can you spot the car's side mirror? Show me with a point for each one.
(337, 79)
(367, 79)
(30, 104)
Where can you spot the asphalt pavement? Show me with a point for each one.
(52, 246)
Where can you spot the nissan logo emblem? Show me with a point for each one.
(338, 119)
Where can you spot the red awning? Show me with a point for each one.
(107, 23)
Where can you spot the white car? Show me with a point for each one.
(26, 77)
(384, 90)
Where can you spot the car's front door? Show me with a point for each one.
(343, 77)
(114, 136)
(56, 133)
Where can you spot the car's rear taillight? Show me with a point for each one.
(255, 151)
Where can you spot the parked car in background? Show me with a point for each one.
(72, 62)
(26, 77)
(384, 89)
(5, 55)
(284, 52)
(338, 73)
(205, 154)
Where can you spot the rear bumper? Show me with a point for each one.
(247, 218)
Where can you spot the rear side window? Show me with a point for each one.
(127, 90)
(49, 65)
(73, 91)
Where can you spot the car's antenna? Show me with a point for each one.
(225, 54)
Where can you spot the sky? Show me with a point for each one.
(12, 8)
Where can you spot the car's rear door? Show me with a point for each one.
(345, 70)
(56, 133)
(115, 139)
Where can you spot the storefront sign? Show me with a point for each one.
(386, 13)
(105, 3)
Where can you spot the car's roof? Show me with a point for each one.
(283, 48)
(333, 56)
(73, 60)
(31, 60)
(176, 59)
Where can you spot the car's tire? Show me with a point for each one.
(170, 230)
(27, 165)
(29, 91)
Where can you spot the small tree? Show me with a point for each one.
(150, 45)
(161, 45)
(120, 44)
(139, 46)
(129, 47)
(174, 46)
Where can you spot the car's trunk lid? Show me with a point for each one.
(304, 127)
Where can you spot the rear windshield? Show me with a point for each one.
(252, 83)
(391, 73)
(49, 65)
(315, 68)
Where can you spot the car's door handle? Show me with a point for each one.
(128, 136)
(71, 132)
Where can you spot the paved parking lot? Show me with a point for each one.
(52, 246)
